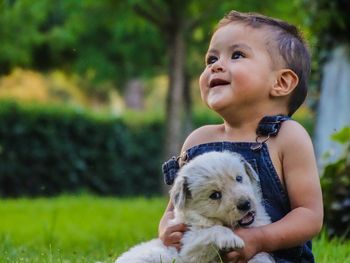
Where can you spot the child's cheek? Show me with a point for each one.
(241, 79)
(203, 79)
(203, 83)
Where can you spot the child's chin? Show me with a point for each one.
(216, 106)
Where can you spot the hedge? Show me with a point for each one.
(46, 150)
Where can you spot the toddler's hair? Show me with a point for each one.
(291, 47)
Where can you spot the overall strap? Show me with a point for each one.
(267, 127)
(172, 166)
(270, 125)
(170, 169)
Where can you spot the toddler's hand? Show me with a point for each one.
(172, 235)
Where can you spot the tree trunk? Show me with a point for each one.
(173, 28)
(134, 94)
(175, 105)
(188, 118)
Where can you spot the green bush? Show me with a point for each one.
(336, 189)
(48, 150)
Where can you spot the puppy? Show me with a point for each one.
(212, 194)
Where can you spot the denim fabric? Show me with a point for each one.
(275, 198)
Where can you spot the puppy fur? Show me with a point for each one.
(213, 193)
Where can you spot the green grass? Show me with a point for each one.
(74, 229)
(90, 229)
(335, 250)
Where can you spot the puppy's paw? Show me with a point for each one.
(230, 242)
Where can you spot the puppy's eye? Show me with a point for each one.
(215, 196)
(239, 178)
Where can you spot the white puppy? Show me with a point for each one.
(213, 193)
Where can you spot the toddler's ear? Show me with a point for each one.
(286, 82)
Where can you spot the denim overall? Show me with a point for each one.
(275, 199)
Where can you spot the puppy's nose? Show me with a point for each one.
(244, 205)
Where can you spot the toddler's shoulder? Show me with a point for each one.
(293, 135)
(293, 129)
(204, 134)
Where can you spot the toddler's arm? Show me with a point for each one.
(170, 235)
(301, 181)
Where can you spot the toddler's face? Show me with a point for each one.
(239, 70)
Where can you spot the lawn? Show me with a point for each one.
(94, 229)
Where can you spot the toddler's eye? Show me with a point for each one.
(215, 196)
(237, 55)
(239, 178)
(211, 60)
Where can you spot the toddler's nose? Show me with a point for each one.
(217, 66)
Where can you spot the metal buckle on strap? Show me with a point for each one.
(259, 144)
(182, 159)
(267, 127)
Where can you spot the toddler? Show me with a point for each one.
(255, 78)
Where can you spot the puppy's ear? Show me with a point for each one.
(180, 192)
(254, 177)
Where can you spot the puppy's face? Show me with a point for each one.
(217, 186)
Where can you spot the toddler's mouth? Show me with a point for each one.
(217, 82)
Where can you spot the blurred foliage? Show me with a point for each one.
(108, 40)
(19, 31)
(59, 87)
(47, 150)
(108, 43)
(306, 117)
(336, 189)
(94, 38)
(28, 85)
(330, 21)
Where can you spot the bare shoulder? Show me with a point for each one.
(293, 134)
(296, 149)
(204, 134)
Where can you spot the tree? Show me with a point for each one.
(93, 38)
(105, 40)
(20, 34)
(171, 24)
(176, 20)
(185, 25)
